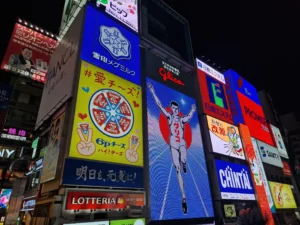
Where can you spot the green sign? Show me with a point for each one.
(35, 143)
(128, 222)
(42, 152)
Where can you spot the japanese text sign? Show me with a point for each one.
(126, 11)
(88, 173)
(214, 97)
(257, 172)
(108, 118)
(254, 118)
(111, 47)
(283, 196)
(225, 138)
(286, 169)
(162, 71)
(28, 53)
(103, 199)
(177, 166)
(234, 181)
(279, 142)
(53, 148)
(210, 71)
(15, 134)
(269, 154)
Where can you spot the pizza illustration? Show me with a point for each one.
(111, 113)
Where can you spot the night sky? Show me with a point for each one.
(258, 39)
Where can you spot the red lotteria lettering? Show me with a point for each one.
(167, 75)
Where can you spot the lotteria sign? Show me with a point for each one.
(214, 97)
(108, 45)
(258, 175)
(234, 181)
(269, 154)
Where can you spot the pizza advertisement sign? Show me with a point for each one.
(108, 118)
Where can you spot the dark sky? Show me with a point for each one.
(258, 39)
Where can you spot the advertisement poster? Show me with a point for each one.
(4, 198)
(286, 169)
(254, 118)
(164, 72)
(108, 118)
(230, 211)
(103, 199)
(28, 53)
(53, 148)
(214, 97)
(283, 196)
(258, 176)
(179, 186)
(126, 11)
(88, 173)
(269, 154)
(279, 142)
(110, 46)
(234, 181)
(225, 138)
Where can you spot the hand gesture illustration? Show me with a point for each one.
(84, 147)
(131, 154)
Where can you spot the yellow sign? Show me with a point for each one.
(108, 118)
(282, 195)
(53, 148)
(225, 138)
(229, 211)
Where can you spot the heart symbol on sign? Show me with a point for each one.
(135, 104)
(86, 89)
(82, 116)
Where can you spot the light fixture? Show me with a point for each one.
(42, 30)
(20, 20)
(47, 33)
(52, 35)
(25, 23)
(36, 28)
(31, 25)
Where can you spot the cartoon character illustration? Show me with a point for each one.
(178, 145)
(131, 153)
(278, 195)
(85, 147)
(256, 172)
(233, 145)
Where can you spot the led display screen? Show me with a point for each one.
(4, 198)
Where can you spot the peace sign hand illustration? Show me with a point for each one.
(84, 147)
(131, 154)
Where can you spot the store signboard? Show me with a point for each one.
(279, 142)
(269, 154)
(286, 168)
(234, 181)
(283, 196)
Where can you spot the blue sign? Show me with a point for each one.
(234, 181)
(110, 46)
(96, 174)
(5, 93)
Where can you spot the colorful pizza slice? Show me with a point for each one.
(100, 116)
(101, 101)
(125, 123)
(113, 98)
(125, 109)
(112, 128)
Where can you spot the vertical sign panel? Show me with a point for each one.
(257, 175)
(179, 186)
(279, 142)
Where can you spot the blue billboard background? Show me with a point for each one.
(110, 46)
(165, 194)
(97, 174)
(5, 94)
(237, 168)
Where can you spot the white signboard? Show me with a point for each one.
(61, 72)
(279, 142)
(210, 71)
(126, 11)
(269, 154)
(263, 174)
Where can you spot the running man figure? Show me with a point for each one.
(177, 142)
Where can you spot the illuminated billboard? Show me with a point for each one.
(258, 176)
(269, 154)
(110, 46)
(283, 196)
(4, 198)
(179, 186)
(213, 94)
(28, 53)
(225, 138)
(279, 142)
(138, 221)
(108, 118)
(234, 181)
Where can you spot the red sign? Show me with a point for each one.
(77, 200)
(254, 118)
(28, 53)
(256, 175)
(286, 169)
(214, 97)
(167, 75)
